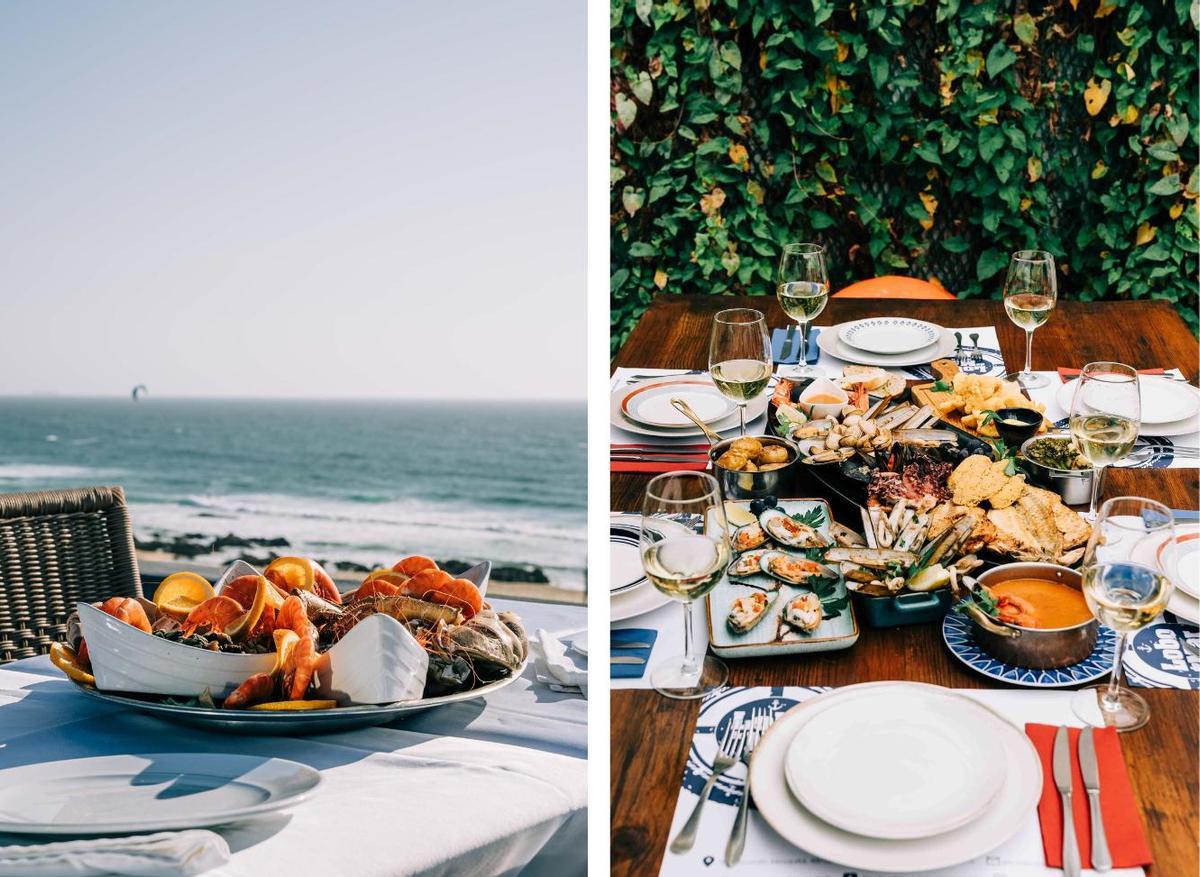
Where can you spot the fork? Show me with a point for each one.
(727, 756)
(759, 723)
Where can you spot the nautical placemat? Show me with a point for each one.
(1150, 452)
(985, 359)
(769, 855)
(1160, 657)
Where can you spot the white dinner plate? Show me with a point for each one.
(1008, 813)
(927, 759)
(1147, 552)
(636, 596)
(730, 423)
(889, 335)
(1159, 417)
(120, 794)
(830, 342)
(650, 403)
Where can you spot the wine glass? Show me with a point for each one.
(1125, 596)
(802, 288)
(1030, 292)
(1106, 413)
(685, 559)
(739, 356)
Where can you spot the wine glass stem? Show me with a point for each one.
(689, 647)
(1028, 351)
(742, 416)
(1097, 477)
(800, 363)
(1112, 696)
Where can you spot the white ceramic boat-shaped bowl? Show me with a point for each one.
(127, 659)
(378, 661)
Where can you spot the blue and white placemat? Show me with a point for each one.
(769, 855)
(984, 360)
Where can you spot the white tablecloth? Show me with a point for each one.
(485, 787)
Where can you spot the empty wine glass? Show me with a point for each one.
(1030, 293)
(685, 549)
(1106, 413)
(1125, 596)
(739, 356)
(802, 288)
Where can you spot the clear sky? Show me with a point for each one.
(379, 199)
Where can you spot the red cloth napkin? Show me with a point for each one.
(654, 468)
(1122, 819)
(1065, 374)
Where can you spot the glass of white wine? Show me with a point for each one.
(1030, 293)
(1124, 596)
(685, 559)
(1106, 413)
(739, 356)
(802, 288)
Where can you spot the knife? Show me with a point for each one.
(1101, 859)
(627, 659)
(789, 341)
(616, 644)
(1062, 779)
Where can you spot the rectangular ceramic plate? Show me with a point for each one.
(840, 632)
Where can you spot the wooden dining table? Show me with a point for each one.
(651, 734)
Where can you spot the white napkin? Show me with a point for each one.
(553, 666)
(166, 854)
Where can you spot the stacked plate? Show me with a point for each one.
(899, 777)
(631, 593)
(1169, 407)
(645, 407)
(887, 341)
(1178, 558)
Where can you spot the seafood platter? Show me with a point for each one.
(779, 594)
(936, 504)
(284, 652)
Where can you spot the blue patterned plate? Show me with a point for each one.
(956, 631)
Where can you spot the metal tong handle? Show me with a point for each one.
(686, 410)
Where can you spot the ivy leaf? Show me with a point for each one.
(632, 199)
(626, 112)
(1162, 152)
(731, 55)
(989, 264)
(640, 250)
(1096, 95)
(643, 88)
(1025, 28)
(1145, 234)
(643, 8)
(1178, 128)
(1033, 167)
(990, 142)
(879, 69)
(1167, 185)
(999, 59)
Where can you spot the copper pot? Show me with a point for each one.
(1033, 647)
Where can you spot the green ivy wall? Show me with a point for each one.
(921, 138)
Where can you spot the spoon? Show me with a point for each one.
(686, 410)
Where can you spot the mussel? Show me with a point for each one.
(786, 530)
(804, 612)
(748, 610)
(793, 569)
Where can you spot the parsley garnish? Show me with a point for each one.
(814, 517)
(940, 386)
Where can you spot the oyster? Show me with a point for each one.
(792, 569)
(494, 645)
(749, 537)
(787, 531)
(749, 610)
(406, 610)
(747, 564)
(804, 612)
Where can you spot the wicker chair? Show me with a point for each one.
(58, 547)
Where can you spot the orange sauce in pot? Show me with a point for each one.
(1040, 603)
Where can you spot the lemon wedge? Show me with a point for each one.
(64, 658)
(284, 706)
(292, 572)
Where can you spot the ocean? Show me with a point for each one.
(361, 481)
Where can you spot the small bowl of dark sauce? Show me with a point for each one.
(1015, 425)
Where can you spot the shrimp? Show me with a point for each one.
(376, 586)
(324, 587)
(128, 610)
(1016, 610)
(438, 586)
(410, 566)
(256, 689)
(300, 662)
(216, 612)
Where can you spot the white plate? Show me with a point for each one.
(927, 759)
(1176, 425)
(730, 423)
(1008, 814)
(830, 342)
(1181, 603)
(650, 404)
(636, 597)
(115, 794)
(889, 335)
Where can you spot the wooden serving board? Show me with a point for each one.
(922, 394)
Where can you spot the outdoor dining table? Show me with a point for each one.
(490, 786)
(651, 734)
